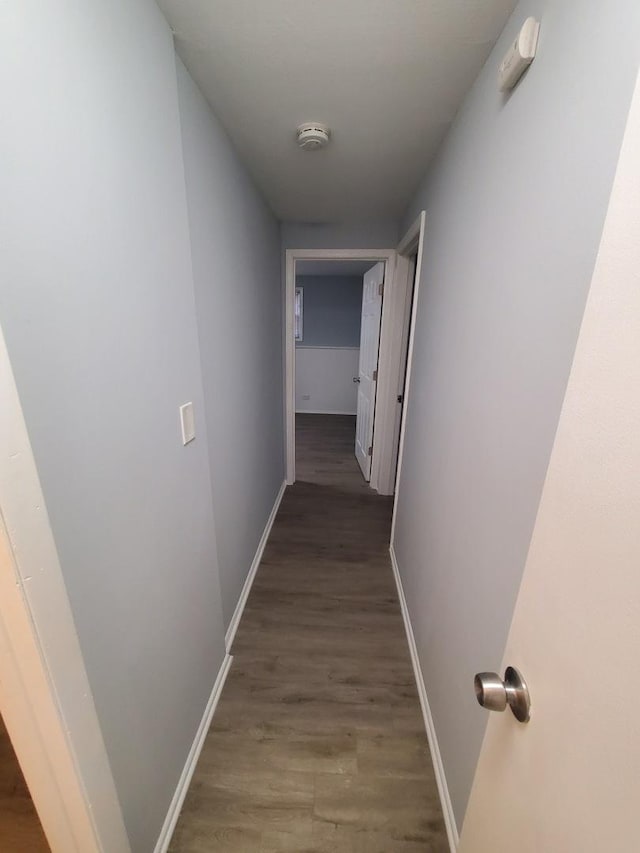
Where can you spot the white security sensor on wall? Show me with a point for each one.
(519, 56)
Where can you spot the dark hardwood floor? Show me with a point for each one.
(325, 456)
(318, 743)
(20, 828)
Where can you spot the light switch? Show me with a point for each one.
(187, 422)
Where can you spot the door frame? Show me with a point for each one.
(384, 387)
(45, 696)
(408, 275)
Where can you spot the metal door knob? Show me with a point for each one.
(494, 694)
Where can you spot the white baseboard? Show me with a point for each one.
(192, 759)
(438, 766)
(246, 589)
(321, 412)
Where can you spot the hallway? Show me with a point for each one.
(318, 741)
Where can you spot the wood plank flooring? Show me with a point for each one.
(20, 828)
(318, 744)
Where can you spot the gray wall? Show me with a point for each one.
(235, 243)
(332, 310)
(377, 234)
(97, 307)
(515, 204)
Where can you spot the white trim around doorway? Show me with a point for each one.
(291, 256)
(401, 283)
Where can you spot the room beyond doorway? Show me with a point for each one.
(295, 298)
(338, 306)
(328, 311)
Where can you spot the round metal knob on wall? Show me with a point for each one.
(494, 694)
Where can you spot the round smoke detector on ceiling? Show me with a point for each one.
(313, 135)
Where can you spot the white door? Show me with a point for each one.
(368, 369)
(568, 781)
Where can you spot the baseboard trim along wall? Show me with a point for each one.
(322, 412)
(246, 589)
(192, 759)
(438, 766)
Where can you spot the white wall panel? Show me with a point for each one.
(324, 379)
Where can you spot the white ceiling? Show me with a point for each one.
(333, 267)
(386, 75)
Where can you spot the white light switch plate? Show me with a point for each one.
(187, 422)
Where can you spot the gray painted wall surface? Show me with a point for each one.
(515, 204)
(97, 307)
(235, 243)
(378, 234)
(332, 310)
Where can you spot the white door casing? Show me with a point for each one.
(394, 361)
(396, 341)
(45, 696)
(368, 369)
(568, 781)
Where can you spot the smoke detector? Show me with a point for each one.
(313, 135)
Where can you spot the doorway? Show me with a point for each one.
(334, 395)
(401, 270)
(326, 385)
